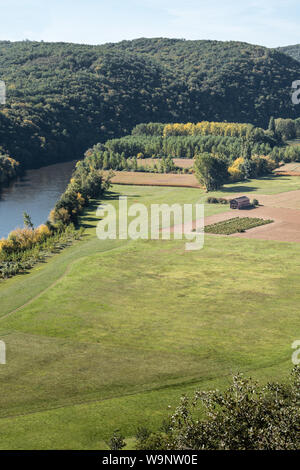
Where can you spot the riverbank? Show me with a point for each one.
(34, 192)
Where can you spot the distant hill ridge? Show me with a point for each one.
(63, 98)
(292, 51)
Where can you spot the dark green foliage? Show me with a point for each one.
(287, 128)
(117, 441)
(9, 169)
(216, 200)
(150, 129)
(292, 51)
(27, 221)
(211, 171)
(271, 127)
(87, 182)
(186, 146)
(246, 416)
(106, 158)
(286, 154)
(63, 98)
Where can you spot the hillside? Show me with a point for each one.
(63, 98)
(292, 51)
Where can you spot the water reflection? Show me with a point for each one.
(36, 193)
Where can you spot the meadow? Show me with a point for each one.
(109, 334)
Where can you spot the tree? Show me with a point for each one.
(272, 127)
(27, 221)
(286, 128)
(211, 171)
(117, 441)
(246, 416)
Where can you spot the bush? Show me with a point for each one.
(117, 441)
(211, 171)
(215, 200)
(212, 200)
(246, 416)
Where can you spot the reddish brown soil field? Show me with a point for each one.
(287, 173)
(180, 162)
(184, 162)
(155, 179)
(286, 225)
(289, 169)
(277, 207)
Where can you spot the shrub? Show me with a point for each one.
(215, 200)
(246, 416)
(212, 200)
(211, 171)
(236, 170)
(117, 441)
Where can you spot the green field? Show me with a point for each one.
(270, 184)
(107, 334)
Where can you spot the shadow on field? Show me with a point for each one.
(243, 188)
(93, 206)
(248, 208)
(239, 189)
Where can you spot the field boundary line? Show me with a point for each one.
(141, 392)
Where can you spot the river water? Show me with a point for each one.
(35, 193)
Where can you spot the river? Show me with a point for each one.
(35, 193)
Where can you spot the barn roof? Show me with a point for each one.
(241, 198)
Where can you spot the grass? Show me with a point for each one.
(271, 184)
(107, 334)
(236, 224)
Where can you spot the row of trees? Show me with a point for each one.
(102, 159)
(288, 129)
(87, 182)
(286, 154)
(182, 147)
(207, 128)
(226, 129)
(26, 246)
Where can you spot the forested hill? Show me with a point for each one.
(292, 51)
(63, 98)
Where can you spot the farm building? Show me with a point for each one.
(239, 202)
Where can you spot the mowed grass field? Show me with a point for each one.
(108, 334)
